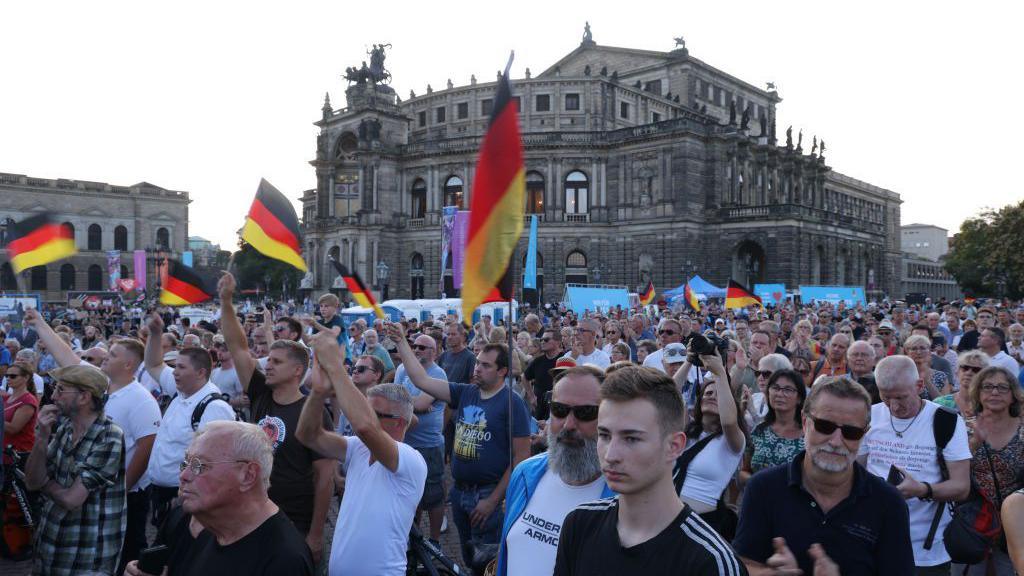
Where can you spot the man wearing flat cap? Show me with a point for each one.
(77, 465)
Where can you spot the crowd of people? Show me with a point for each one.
(811, 439)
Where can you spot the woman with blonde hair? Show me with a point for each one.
(919, 348)
(967, 367)
(801, 344)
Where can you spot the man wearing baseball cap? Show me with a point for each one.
(79, 471)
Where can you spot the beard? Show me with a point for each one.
(573, 457)
(828, 465)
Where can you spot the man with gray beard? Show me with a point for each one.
(545, 488)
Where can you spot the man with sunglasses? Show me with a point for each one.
(670, 331)
(823, 513)
(538, 372)
(545, 488)
(902, 445)
(588, 352)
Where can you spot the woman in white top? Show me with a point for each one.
(612, 336)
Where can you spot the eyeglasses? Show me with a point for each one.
(61, 388)
(827, 427)
(763, 373)
(382, 416)
(583, 412)
(581, 330)
(421, 347)
(668, 332)
(361, 369)
(546, 339)
(995, 389)
(13, 375)
(784, 390)
(969, 368)
(918, 349)
(197, 466)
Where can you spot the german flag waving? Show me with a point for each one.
(691, 298)
(183, 286)
(355, 285)
(38, 240)
(496, 211)
(737, 296)
(272, 227)
(648, 296)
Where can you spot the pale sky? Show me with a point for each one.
(208, 97)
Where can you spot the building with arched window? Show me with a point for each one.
(101, 218)
(640, 165)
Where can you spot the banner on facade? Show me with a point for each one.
(113, 268)
(459, 232)
(771, 294)
(530, 276)
(852, 295)
(448, 214)
(140, 269)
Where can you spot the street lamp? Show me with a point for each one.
(383, 271)
(159, 259)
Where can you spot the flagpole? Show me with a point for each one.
(508, 330)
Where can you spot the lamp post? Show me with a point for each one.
(383, 271)
(159, 258)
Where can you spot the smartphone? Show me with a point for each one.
(895, 477)
(153, 560)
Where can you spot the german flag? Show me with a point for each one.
(38, 240)
(648, 296)
(183, 286)
(496, 211)
(691, 298)
(272, 227)
(737, 296)
(355, 285)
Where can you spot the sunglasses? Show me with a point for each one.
(763, 373)
(583, 413)
(668, 332)
(421, 347)
(361, 369)
(14, 375)
(546, 339)
(971, 369)
(827, 427)
(382, 416)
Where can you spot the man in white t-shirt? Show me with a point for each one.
(384, 476)
(669, 330)
(225, 376)
(586, 350)
(992, 341)
(902, 436)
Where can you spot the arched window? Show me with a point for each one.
(38, 278)
(453, 191)
(534, 193)
(121, 238)
(416, 276)
(6, 228)
(95, 281)
(576, 268)
(95, 241)
(67, 277)
(163, 238)
(577, 197)
(70, 229)
(419, 199)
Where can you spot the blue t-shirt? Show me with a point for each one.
(481, 447)
(429, 432)
(5, 356)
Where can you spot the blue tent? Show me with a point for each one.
(700, 286)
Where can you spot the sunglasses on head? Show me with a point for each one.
(583, 413)
(827, 427)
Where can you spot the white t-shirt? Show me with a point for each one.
(597, 358)
(915, 453)
(710, 471)
(164, 387)
(176, 433)
(227, 381)
(137, 413)
(1006, 361)
(372, 532)
(533, 539)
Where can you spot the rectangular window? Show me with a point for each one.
(543, 103)
(519, 103)
(624, 110)
(423, 118)
(462, 110)
(653, 86)
(576, 201)
(705, 89)
(572, 101)
(718, 96)
(655, 117)
(739, 105)
(439, 114)
(486, 106)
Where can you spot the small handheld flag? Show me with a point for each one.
(359, 292)
(272, 227)
(737, 296)
(183, 286)
(648, 296)
(38, 240)
(691, 298)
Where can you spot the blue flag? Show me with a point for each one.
(530, 276)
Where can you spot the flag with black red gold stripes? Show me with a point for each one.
(183, 286)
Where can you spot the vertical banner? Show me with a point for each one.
(140, 269)
(186, 258)
(459, 232)
(113, 268)
(530, 277)
(447, 226)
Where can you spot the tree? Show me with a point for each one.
(253, 270)
(987, 256)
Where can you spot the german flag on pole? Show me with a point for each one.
(691, 298)
(648, 296)
(496, 211)
(737, 296)
(272, 227)
(183, 286)
(38, 240)
(355, 285)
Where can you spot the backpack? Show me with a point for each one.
(943, 426)
(197, 412)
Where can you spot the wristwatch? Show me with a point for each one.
(928, 495)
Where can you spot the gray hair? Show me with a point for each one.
(12, 342)
(981, 357)
(26, 354)
(895, 371)
(775, 362)
(370, 331)
(249, 442)
(397, 395)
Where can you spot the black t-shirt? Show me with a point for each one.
(589, 546)
(291, 480)
(274, 548)
(539, 370)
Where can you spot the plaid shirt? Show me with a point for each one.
(87, 540)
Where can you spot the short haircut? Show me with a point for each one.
(585, 370)
(771, 327)
(249, 443)
(649, 345)
(776, 362)
(622, 348)
(554, 333)
(1015, 391)
(918, 339)
(329, 299)
(664, 321)
(457, 326)
(762, 332)
(998, 333)
(199, 358)
(892, 371)
(396, 394)
(974, 356)
(839, 387)
(378, 365)
(924, 327)
(293, 324)
(502, 350)
(296, 352)
(642, 383)
(135, 347)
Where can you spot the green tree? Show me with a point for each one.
(255, 271)
(987, 258)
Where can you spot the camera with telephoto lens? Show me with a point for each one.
(698, 345)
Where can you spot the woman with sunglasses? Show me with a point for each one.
(780, 437)
(20, 410)
(613, 335)
(968, 365)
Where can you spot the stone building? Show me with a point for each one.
(103, 217)
(924, 240)
(639, 164)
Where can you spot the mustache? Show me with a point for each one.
(837, 450)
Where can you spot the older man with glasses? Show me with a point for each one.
(670, 331)
(587, 351)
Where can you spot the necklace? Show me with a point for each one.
(899, 433)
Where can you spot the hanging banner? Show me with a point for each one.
(459, 233)
(530, 277)
(113, 268)
(447, 226)
(186, 258)
(852, 295)
(771, 294)
(140, 269)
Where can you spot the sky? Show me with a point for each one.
(209, 97)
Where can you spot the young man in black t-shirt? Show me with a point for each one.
(538, 372)
(646, 529)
